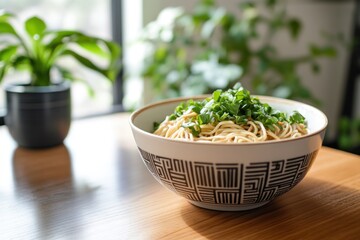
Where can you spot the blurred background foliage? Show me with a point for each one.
(349, 135)
(210, 47)
(196, 52)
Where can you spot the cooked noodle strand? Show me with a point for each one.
(228, 131)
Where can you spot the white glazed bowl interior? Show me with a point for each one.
(223, 176)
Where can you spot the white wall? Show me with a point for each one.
(316, 16)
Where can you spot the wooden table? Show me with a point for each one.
(95, 186)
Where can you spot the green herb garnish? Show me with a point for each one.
(235, 105)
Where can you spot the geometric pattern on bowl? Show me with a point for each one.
(228, 184)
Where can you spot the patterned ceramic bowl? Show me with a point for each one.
(228, 177)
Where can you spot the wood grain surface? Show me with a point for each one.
(95, 186)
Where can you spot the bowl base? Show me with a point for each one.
(217, 207)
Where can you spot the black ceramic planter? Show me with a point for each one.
(38, 116)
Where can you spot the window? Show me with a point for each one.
(93, 17)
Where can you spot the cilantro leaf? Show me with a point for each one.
(296, 117)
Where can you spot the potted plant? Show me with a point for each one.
(39, 112)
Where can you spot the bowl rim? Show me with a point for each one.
(198, 97)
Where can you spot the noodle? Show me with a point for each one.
(228, 131)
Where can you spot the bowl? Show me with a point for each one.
(228, 176)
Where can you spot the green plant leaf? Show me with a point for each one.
(6, 28)
(247, 5)
(3, 70)
(21, 62)
(114, 50)
(8, 52)
(115, 64)
(62, 37)
(208, 2)
(35, 27)
(161, 53)
(294, 26)
(315, 67)
(326, 51)
(93, 47)
(5, 57)
(4, 15)
(85, 62)
(271, 3)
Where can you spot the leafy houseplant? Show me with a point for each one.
(39, 112)
(211, 47)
